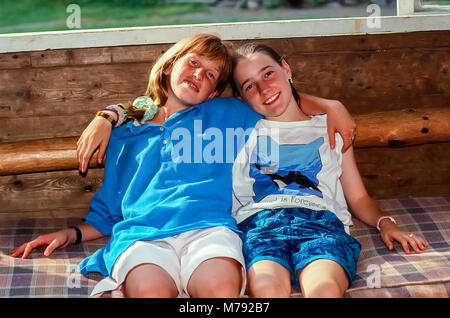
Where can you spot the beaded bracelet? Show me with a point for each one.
(107, 117)
(115, 112)
(121, 113)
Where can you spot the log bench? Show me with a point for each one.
(397, 87)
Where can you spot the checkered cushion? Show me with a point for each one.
(406, 275)
(400, 275)
(40, 276)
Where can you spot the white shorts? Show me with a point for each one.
(179, 255)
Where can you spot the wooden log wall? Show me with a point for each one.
(381, 129)
(55, 93)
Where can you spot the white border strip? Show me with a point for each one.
(38, 41)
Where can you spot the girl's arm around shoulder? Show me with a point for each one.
(97, 134)
(338, 118)
(366, 209)
(60, 239)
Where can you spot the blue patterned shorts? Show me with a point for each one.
(294, 237)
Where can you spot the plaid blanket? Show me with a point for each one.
(380, 272)
(384, 273)
(40, 276)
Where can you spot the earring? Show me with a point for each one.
(290, 80)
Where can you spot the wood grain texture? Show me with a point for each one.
(421, 170)
(382, 129)
(67, 212)
(48, 192)
(40, 155)
(416, 171)
(403, 127)
(389, 82)
(368, 73)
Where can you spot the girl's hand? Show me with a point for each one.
(391, 232)
(60, 239)
(339, 120)
(95, 135)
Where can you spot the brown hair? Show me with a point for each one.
(207, 45)
(251, 48)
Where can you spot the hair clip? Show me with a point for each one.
(146, 102)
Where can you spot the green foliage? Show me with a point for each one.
(272, 4)
(49, 15)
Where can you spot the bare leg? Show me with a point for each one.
(218, 277)
(323, 278)
(267, 279)
(149, 281)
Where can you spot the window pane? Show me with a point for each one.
(51, 15)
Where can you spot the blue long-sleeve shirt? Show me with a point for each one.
(163, 180)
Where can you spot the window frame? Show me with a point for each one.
(411, 7)
(38, 41)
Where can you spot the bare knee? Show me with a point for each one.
(149, 281)
(268, 279)
(145, 290)
(222, 287)
(323, 278)
(269, 287)
(216, 278)
(328, 288)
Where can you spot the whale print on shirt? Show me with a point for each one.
(285, 169)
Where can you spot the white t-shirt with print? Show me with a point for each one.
(287, 165)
